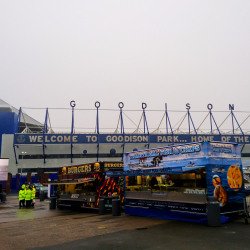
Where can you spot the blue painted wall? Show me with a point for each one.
(7, 124)
(17, 181)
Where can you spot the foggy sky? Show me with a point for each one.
(157, 52)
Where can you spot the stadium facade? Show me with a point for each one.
(34, 147)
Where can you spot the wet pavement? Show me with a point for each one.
(174, 235)
(10, 210)
(41, 228)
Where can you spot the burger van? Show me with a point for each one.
(81, 186)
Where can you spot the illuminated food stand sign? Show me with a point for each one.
(165, 152)
(92, 167)
(169, 181)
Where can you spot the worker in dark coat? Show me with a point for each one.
(153, 182)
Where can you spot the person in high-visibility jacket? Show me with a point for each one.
(33, 195)
(23, 186)
(21, 197)
(28, 195)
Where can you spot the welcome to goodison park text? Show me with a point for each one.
(81, 138)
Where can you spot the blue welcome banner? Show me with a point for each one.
(127, 138)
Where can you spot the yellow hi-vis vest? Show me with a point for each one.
(28, 194)
(33, 193)
(21, 195)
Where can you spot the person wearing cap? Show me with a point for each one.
(28, 195)
(22, 197)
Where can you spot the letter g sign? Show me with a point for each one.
(72, 104)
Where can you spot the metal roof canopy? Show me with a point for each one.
(64, 182)
(25, 118)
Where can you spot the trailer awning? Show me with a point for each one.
(159, 171)
(70, 182)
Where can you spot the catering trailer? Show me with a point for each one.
(174, 182)
(81, 186)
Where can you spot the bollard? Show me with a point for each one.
(3, 197)
(116, 207)
(213, 212)
(42, 196)
(52, 203)
(101, 207)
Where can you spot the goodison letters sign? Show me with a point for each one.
(128, 138)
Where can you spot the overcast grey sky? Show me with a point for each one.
(175, 52)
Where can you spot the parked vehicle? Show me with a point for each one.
(37, 185)
(41, 188)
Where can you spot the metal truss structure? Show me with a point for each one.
(176, 129)
(142, 127)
